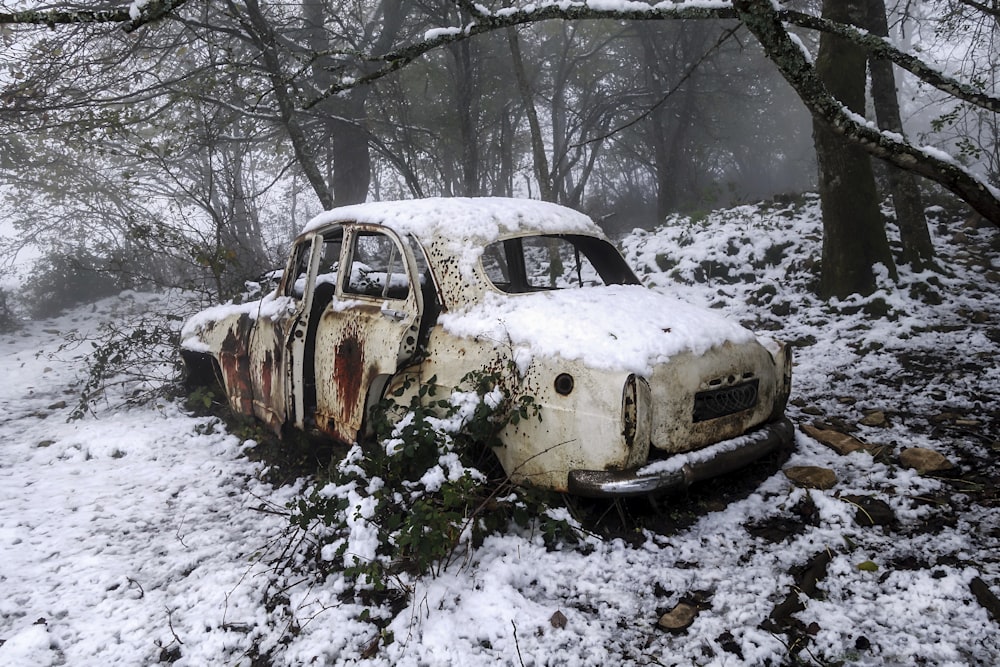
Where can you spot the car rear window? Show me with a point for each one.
(554, 261)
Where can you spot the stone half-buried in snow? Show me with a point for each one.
(876, 418)
(842, 443)
(679, 618)
(925, 460)
(811, 477)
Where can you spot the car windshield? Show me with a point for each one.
(554, 261)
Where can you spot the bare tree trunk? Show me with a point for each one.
(540, 160)
(467, 102)
(243, 223)
(560, 67)
(670, 162)
(763, 20)
(352, 164)
(264, 39)
(853, 229)
(504, 185)
(342, 118)
(345, 118)
(662, 149)
(918, 251)
(670, 123)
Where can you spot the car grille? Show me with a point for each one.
(716, 403)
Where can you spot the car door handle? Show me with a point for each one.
(397, 315)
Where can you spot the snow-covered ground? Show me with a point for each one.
(141, 536)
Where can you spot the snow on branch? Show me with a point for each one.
(483, 20)
(990, 10)
(767, 22)
(764, 21)
(131, 17)
(882, 48)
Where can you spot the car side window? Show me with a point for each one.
(495, 265)
(378, 268)
(295, 284)
(329, 264)
(555, 262)
(329, 269)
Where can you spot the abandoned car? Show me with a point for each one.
(638, 392)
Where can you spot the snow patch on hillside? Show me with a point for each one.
(143, 536)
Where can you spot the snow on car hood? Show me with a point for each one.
(621, 327)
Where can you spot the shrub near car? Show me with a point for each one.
(638, 392)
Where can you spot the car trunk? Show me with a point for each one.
(702, 399)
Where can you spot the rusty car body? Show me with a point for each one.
(638, 392)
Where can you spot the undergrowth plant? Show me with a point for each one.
(428, 489)
(129, 363)
(8, 319)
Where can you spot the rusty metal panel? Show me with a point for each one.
(676, 384)
(234, 364)
(340, 369)
(267, 365)
(361, 341)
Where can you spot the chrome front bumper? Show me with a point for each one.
(714, 460)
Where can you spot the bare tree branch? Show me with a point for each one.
(508, 18)
(990, 10)
(129, 18)
(880, 47)
(688, 73)
(484, 23)
(765, 23)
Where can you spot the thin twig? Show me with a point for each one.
(680, 82)
(516, 644)
(170, 623)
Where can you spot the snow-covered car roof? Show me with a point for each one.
(480, 220)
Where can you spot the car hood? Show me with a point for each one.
(620, 327)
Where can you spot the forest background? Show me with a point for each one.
(179, 145)
(183, 143)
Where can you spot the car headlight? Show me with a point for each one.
(637, 412)
(784, 362)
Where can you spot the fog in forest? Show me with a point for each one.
(189, 152)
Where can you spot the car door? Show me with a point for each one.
(277, 340)
(369, 330)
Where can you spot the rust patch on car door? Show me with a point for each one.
(266, 380)
(354, 347)
(348, 373)
(345, 371)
